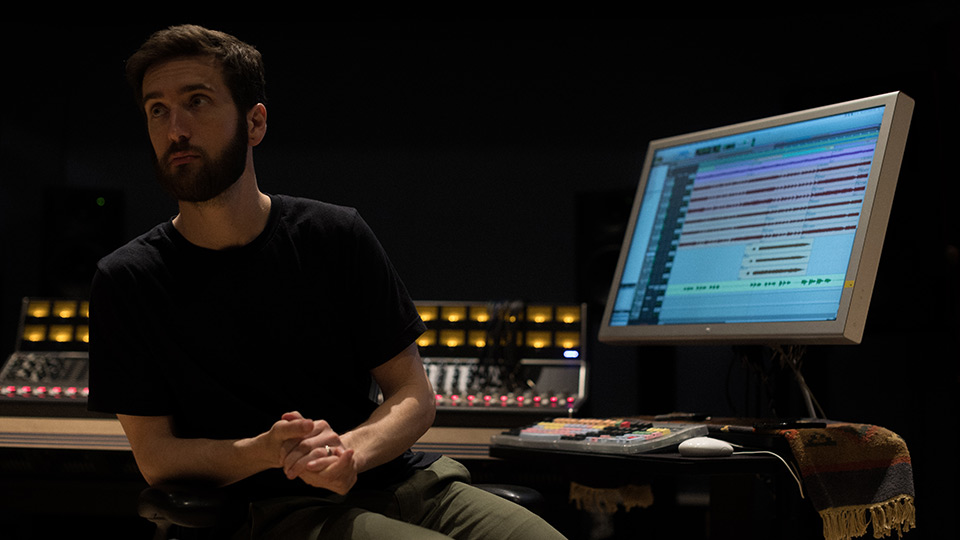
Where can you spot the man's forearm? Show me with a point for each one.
(218, 462)
(404, 416)
(394, 426)
(163, 457)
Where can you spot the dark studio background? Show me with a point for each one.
(496, 159)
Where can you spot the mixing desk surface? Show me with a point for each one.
(496, 359)
(553, 386)
(599, 435)
(45, 376)
(47, 372)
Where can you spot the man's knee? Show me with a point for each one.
(365, 525)
(471, 512)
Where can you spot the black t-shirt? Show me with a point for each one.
(227, 341)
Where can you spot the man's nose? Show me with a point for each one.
(179, 126)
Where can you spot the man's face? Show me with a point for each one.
(200, 141)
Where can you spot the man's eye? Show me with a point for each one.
(197, 101)
(155, 111)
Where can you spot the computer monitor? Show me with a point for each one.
(764, 232)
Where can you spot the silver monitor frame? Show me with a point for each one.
(848, 327)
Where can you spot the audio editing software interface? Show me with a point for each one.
(770, 211)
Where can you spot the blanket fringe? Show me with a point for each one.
(606, 501)
(895, 515)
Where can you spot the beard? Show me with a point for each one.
(210, 177)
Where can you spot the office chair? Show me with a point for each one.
(204, 511)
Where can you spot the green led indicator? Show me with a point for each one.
(101, 201)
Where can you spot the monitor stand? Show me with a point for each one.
(772, 361)
(791, 357)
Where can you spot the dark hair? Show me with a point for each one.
(241, 63)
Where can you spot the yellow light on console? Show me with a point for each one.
(453, 313)
(38, 308)
(427, 339)
(568, 314)
(539, 314)
(84, 310)
(35, 332)
(477, 338)
(539, 340)
(65, 309)
(83, 333)
(452, 338)
(568, 340)
(427, 313)
(61, 333)
(479, 314)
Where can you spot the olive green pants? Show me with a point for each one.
(435, 503)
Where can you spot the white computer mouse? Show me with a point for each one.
(705, 447)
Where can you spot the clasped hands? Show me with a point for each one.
(312, 451)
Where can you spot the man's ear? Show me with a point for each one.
(256, 124)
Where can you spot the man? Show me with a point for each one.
(236, 342)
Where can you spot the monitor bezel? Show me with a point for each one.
(848, 327)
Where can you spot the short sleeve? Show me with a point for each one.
(121, 378)
(382, 302)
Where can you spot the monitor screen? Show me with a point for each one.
(768, 231)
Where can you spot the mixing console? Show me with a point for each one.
(466, 384)
(507, 357)
(45, 376)
(49, 362)
(480, 357)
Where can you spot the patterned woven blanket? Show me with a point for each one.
(856, 476)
